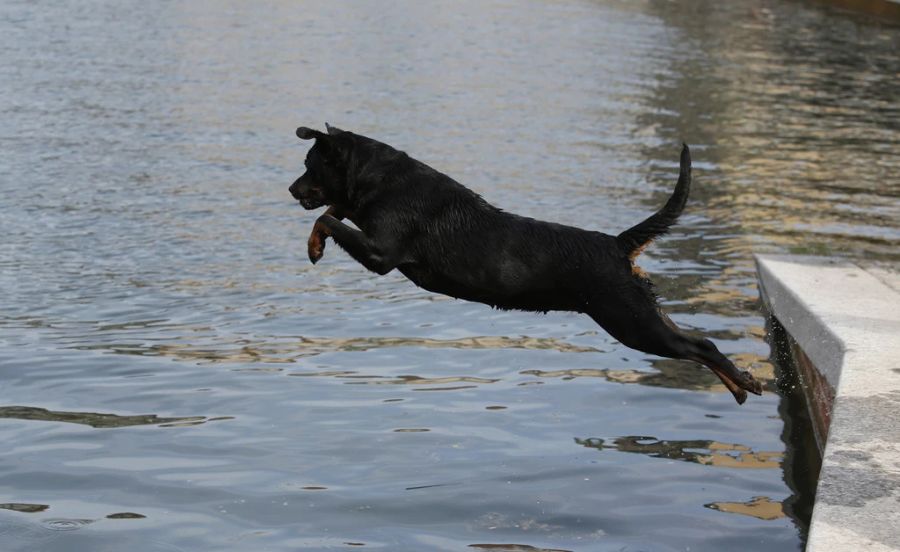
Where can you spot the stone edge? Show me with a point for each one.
(847, 322)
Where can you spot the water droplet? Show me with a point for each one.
(60, 524)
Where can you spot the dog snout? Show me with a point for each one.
(299, 189)
(309, 196)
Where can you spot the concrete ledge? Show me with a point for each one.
(846, 320)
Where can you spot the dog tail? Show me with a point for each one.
(639, 236)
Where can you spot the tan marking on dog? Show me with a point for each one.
(635, 269)
(315, 245)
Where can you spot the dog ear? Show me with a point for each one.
(305, 133)
(332, 131)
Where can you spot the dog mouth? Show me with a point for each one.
(310, 198)
(310, 202)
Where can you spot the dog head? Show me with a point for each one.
(325, 179)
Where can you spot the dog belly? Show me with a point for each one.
(491, 293)
(433, 281)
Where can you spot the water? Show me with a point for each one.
(177, 376)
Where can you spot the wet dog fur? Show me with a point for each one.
(447, 239)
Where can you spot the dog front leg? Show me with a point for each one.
(315, 245)
(376, 257)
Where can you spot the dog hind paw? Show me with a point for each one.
(750, 383)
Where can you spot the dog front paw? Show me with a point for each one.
(315, 246)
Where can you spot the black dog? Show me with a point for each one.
(447, 239)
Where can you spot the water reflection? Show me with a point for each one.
(22, 507)
(802, 158)
(708, 453)
(416, 380)
(515, 548)
(760, 507)
(289, 349)
(670, 374)
(98, 420)
(126, 515)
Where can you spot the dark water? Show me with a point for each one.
(177, 376)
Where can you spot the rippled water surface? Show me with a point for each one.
(177, 376)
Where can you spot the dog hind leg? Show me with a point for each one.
(649, 330)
